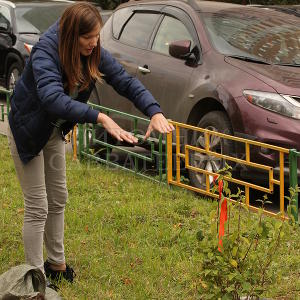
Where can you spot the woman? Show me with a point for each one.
(48, 100)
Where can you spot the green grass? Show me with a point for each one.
(127, 237)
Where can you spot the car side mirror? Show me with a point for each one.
(180, 49)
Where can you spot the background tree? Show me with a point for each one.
(109, 4)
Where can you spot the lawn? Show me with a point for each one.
(128, 237)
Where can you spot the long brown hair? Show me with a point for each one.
(78, 19)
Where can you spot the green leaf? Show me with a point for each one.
(245, 240)
(230, 289)
(278, 224)
(246, 286)
(234, 251)
(265, 231)
(233, 262)
(227, 296)
(231, 276)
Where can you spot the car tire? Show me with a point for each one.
(13, 74)
(215, 121)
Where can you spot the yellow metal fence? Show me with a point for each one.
(183, 152)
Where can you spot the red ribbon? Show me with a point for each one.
(223, 216)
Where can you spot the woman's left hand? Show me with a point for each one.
(159, 123)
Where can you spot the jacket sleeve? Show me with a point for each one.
(126, 85)
(48, 80)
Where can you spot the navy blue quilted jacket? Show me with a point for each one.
(39, 98)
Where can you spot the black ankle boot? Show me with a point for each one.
(68, 274)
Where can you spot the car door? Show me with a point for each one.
(169, 78)
(131, 30)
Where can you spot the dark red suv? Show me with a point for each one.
(220, 66)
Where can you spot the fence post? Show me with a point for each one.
(7, 96)
(169, 157)
(2, 112)
(160, 158)
(80, 140)
(294, 179)
(74, 139)
(8, 93)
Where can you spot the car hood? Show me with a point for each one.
(29, 38)
(284, 79)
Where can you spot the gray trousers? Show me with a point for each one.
(43, 182)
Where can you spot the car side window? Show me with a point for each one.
(138, 30)
(5, 20)
(119, 19)
(170, 30)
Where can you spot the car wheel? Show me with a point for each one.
(13, 74)
(214, 121)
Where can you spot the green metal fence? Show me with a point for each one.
(5, 111)
(155, 155)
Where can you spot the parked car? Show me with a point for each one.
(225, 67)
(21, 25)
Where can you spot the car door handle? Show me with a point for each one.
(144, 69)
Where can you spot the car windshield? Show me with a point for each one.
(37, 19)
(256, 33)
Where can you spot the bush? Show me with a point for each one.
(243, 265)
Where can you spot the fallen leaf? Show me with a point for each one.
(126, 281)
(179, 225)
(203, 284)
(20, 210)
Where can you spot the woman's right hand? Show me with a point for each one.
(115, 130)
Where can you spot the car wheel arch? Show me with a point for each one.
(12, 58)
(201, 108)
